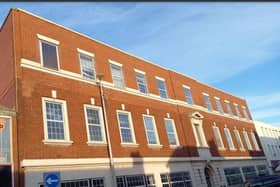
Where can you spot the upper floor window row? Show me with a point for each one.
(56, 128)
(220, 109)
(50, 59)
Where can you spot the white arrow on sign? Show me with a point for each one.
(50, 181)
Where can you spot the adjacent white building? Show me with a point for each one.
(270, 140)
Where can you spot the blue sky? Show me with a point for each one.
(231, 46)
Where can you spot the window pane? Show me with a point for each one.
(5, 140)
(249, 146)
(233, 176)
(207, 102)
(245, 113)
(150, 130)
(237, 110)
(249, 172)
(238, 139)
(218, 137)
(198, 134)
(229, 109)
(125, 127)
(161, 88)
(188, 96)
(49, 55)
(135, 181)
(219, 106)
(94, 124)
(55, 121)
(178, 179)
(117, 76)
(171, 133)
(87, 66)
(228, 137)
(141, 82)
(255, 141)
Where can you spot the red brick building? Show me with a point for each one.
(93, 113)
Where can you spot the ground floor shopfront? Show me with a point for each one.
(144, 171)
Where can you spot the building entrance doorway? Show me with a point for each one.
(209, 173)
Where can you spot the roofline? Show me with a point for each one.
(6, 18)
(264, 124)
(125, 52)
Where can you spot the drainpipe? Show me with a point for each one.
(107, 134)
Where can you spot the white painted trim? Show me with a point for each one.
(220, 137)
(236, 133)
(215, 97)
(100, 114)
(198, 122)
(65, 119)
(86, 161)
(115, 63)
(127, 53)
(247, 140)
(41, 54)
(129, 144)
(48, 39)
(139, 71)
(227, 101)
(174, 129)
(75, 76)
(155, 128)
(93, 67)
(206, 94)
(185, 86)
(85, 52)
(256, 145)
(160, 78)
(130, 124)
(230, 138)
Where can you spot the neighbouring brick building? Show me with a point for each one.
(93, 113)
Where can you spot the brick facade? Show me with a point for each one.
(19, 42)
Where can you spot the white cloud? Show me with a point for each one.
(265, 107)
(261, 101)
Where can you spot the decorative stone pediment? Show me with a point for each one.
(196, 115)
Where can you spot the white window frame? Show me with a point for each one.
(145, 80)
(196, 120)
(49, 41)
(219, 105)
(188, 97)
(237, 137)
(174, 129)
(228, 107)
(130, 124)
(100, 113)
(219, 136)
(247, 140)
(92, 60)
(229, 138)
(237, 110)
(210, 108)
(163, 80)
(245, 113)
(155, 129)
(65, 121)
(116, 64)
(256, 145)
